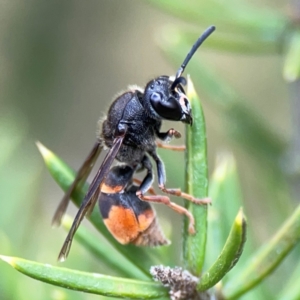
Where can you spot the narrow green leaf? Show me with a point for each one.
(228, 42)
(13, 130)
(225, 192)
(237, 17)
(64, 176)
(87, 282)
(224, 42)
(197, 185)
(291, 291)
(229, 256)
(226, 195)
(291, 69)
(267, 259)
(108, 255)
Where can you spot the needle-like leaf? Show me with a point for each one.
(229, 256)
(291, 290)
(225, 190)
(237, 17)
(197, 185)
(267, 259)
(291, 69)
(87, 282)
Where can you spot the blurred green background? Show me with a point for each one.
(61, 65)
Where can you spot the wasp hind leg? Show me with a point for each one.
(174, 192)
(166, 201)
(179, 193)
(145, 186)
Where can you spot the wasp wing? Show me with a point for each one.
(90, 198)
(79, 180)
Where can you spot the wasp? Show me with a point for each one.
(129, 132)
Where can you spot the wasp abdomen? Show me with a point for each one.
(130, 220)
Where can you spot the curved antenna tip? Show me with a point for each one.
(198, 43)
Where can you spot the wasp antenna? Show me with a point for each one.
(201, 39)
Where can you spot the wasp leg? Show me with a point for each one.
(139, 182)
(166, 201)
(179, 193)
(165, 136)
(170, 147)
(175, 192)
(147, 181)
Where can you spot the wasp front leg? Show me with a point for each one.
(166, 137)
(170, 147)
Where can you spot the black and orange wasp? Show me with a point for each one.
(129, 132)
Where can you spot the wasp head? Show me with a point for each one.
(165, 99)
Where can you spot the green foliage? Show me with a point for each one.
(194, 245)
(266, 260)
(227, 265)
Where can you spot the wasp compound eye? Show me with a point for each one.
(170, 109)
